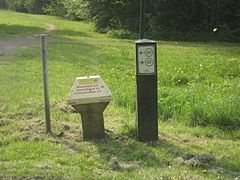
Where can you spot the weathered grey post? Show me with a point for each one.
(45, 83)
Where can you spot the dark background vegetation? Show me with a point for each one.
(191, 20)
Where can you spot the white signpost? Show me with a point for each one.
(146, 60)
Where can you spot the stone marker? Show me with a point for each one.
(90, 96)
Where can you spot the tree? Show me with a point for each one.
(165, 19)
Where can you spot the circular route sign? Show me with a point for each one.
(148, 52)
(149, 62)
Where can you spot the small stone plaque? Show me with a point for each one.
(89, 89)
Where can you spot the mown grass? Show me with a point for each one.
(198, 108)
(18, 24)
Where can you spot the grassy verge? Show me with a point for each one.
(198, 85)
(18, 24)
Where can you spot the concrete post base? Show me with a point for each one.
(92, 119)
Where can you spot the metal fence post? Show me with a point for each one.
(45, 83)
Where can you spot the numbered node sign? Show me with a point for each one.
(146, 57)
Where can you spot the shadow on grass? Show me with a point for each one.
(72, 33)
(128, 150)
(124, 153)
(6, 29)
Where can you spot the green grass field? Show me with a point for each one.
(199, 102)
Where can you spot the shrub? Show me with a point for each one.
(72, 9)
(35, 6)
(171, 20)
(30, 6)
(122, 34)
(2, 4)
(56, 8)
(16, 5)
(77, 9)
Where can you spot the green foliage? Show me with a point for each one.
(188, 20)
(35, 6)
(17, 5)
(122, 34)
(172, 19)
(56, 7)
(2, 4)
(30, 6)
(77, 9)
(119, 14)
(72, 9)
(194, 20)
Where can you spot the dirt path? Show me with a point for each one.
(7, 45)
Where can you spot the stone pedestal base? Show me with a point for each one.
(92, 119)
